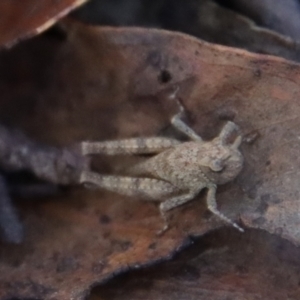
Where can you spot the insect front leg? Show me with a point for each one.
(129, 146)
(212, 206)
(227, 130)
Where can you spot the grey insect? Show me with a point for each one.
(176, 172)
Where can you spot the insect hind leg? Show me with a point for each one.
(152, 189)
(129, 146)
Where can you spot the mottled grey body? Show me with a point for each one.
(198, 162)
(178, 170)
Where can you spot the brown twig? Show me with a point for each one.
(55, 165)
(12, 229)
(61, 166)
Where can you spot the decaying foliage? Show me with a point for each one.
(89, 82)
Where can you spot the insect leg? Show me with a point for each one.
(182, 127)
(129, 146)
(226, 131)
(153, 189)
(173, 203)
(212, 206)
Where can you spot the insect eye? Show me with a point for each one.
(217, 165)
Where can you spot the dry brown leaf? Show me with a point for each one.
(108, 83)
(207, 20)
(221, 265)
(281, 15)
(20, 20)
(220, 25)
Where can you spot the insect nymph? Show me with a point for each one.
(176, 172)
